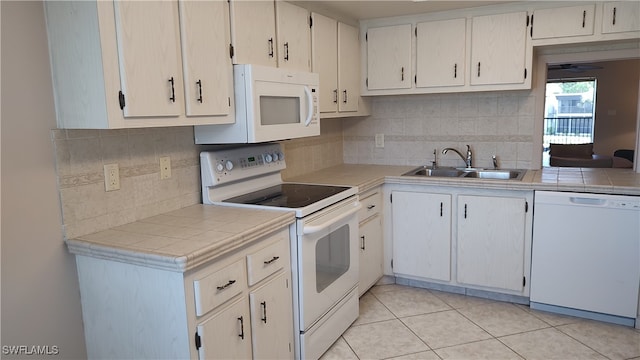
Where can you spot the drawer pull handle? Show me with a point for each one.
(231, 282)
(264, 311)
(370, 207)
(363, 242)
(199, 83)
(267, 262)
(241, 327)
(270, 41)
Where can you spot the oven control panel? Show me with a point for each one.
(223, 166)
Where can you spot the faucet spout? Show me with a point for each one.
(468, 160)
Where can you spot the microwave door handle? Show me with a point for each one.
(307, 91)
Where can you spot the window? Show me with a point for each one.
(569, 113)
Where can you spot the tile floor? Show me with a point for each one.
(402, 322)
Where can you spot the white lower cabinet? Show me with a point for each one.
(463, 237)
(237, 306)
(491, 241)
(371, 259)
(422, 235)
(271, 319)
(225, 335)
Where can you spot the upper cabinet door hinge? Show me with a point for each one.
(198, 341)
(121, 99)
(231, 51)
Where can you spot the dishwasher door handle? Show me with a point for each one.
(587, 201)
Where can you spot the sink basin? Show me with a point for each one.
(496, 174)
(437, 172)
(502, 174)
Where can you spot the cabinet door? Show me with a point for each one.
(389, 57)
(324, 40)
(491, 238)
(370, 253)
(149, 57)
(208, 72)
(562, 22)
(272, 319)
(253, 32)
(440, 53)
(498, 49)
(348, 67)
(227, 334)
(621, 16)
(294, 36)
(422, 235)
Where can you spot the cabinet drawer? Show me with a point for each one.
(220, 286)
(269, 259)
(371, 204)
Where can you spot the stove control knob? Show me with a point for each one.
(281, 156)
(275, 156)
(219, 168)
(268, 158)
(228, 165)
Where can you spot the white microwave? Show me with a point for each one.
(271, 104)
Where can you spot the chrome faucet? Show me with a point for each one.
(468, 160)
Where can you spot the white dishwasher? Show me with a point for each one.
(586, 255)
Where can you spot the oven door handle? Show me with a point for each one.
(310, 229)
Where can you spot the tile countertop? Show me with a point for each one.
(596, 180)
(183, 239)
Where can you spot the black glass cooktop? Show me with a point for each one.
(288, 195)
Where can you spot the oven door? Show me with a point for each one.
(328, 259)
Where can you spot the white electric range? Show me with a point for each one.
(324, 240)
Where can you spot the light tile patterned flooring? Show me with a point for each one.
(402, 322)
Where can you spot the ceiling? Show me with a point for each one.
(370, 9)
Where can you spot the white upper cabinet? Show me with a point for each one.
(325, 59)
(621, 16)
(336, 58)
(561, 22)
(253, 32)
(124, 64)
(389, 57)
(440, 58)
(348, 67)
(148, 41)
(270, 33)
(293, 37)
(208, 71)
(499, 49)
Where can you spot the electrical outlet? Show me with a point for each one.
(111, 177)
(165, 167)
(379, 140)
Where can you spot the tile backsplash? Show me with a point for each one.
(413, 126)
(499, 123)
(81, 155)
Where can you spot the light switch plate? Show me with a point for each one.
(379, 140)
(165, 167)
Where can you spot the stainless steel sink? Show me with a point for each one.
(496, 174)
(437, 172)
(503, 174)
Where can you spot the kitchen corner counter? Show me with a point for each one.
(183, 239)
(592, 180)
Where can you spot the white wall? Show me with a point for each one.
(40, 296)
